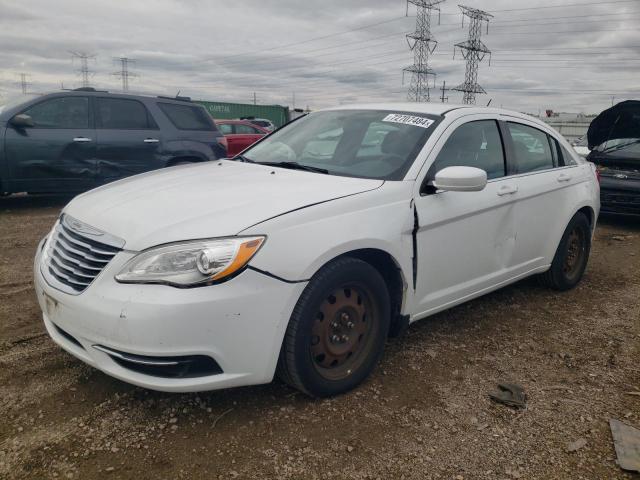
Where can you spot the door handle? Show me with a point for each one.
(563, 177)
(81, 139)
(151, 140)
(507, 190)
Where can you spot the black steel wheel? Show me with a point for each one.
(337, 332)
(572, 255)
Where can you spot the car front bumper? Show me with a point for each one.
(239, 324)
(620, 196)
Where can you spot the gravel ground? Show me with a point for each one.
(423, 414)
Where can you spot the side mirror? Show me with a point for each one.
(461, 179)
(22, 120)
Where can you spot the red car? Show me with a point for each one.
(239, 134)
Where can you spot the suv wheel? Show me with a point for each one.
(337, 331)
(570, 260)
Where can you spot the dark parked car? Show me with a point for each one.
(240, 134)
(614, 140)
(73, 141)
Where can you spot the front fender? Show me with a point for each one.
(301, 242)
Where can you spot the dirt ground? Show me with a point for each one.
(424, 413)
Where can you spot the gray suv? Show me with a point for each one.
(73, 141)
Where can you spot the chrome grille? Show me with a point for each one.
(77, 253)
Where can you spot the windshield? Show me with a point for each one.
(15, 100)
(356, 143)
(623, 147)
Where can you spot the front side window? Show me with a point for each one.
(358, 143)
(474, 144)
(226, 128)
(531, 148)
(122, 114)
(61, 112)
(187, 117)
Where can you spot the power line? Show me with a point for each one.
(422, 44)
(367, 26)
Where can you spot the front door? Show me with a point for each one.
(129, 140)
(57, 154)
(465, 241)
(242, 137)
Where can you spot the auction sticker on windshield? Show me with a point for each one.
(408, 120)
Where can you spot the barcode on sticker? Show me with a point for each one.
(408, 120)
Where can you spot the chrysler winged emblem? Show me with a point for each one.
(78, 226)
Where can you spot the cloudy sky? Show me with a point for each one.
(568, 55)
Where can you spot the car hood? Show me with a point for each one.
(620, 121)
(213, 199)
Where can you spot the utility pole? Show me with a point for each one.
(24, 85)
(124, 74)
(444, 89)
(254, 98)
(294, 100)
(473, 51)
(422, 44)
(84, 66)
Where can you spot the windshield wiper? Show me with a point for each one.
(295, 166)
(613, 148)
(242, 158)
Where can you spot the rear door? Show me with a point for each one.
(58, 153)
(128, 139)
(547, 195)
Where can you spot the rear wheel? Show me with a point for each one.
(572, 255)
(337, 331)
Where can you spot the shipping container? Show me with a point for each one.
(279, 115)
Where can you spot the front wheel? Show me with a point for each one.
(572, 255)
(337, 331)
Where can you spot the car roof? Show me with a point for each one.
(103, 93)
(428, 108)
(446, 109)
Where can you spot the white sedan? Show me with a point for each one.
(301, 256)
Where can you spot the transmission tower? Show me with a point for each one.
(422, 43)
(84, 66)
(24, 84)
(124, 74)
(473, 51)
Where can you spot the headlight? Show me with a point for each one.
(191, 263)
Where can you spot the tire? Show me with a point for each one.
(572, 255)
(338, 329)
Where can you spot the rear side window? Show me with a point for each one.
(246, 129)
(61, 112)
(531, 148)
(122, 114)
(567, 158)
(187, 117)
(474, 144)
